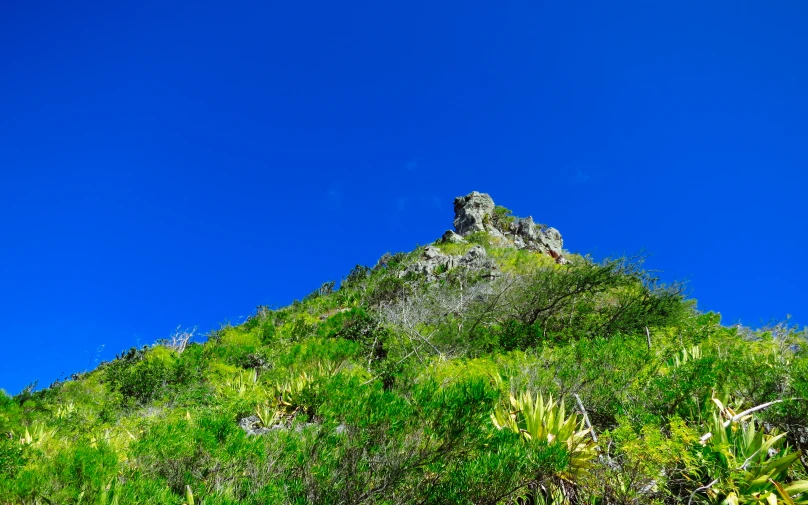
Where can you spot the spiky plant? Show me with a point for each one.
(64, 411)
(36, 435)
(268, 414)
(539, 420)
(239, 385)
(684, 356)
(746, 465)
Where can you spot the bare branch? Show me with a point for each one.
(586, 418)
(178, 340)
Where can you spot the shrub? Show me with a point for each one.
(71, 474)
(141, 375)
(390, 441)
(12, 457)
(502, 218)
(537, 420)
(388, 289)
(357, 325)
(744, 464)
(356, 277)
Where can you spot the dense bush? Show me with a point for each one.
(382, 392)
(141, 375)
(12, 457)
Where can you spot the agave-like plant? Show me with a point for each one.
(240, 384)
(537, 419)
(749, 465)
(65, 410)
(684, 356)
(268, 414)
(284, 398)
(36, 436)
(189, 496)
(287, 394)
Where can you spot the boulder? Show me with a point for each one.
(475, 256)
(527, 229)
(471, 211)
(431, 252)
(252, 425)
(451, 237)
(477, 259)
(552, 242)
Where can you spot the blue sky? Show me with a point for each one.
(181, 163)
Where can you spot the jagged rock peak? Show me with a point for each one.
(470, 212)
(475, 212)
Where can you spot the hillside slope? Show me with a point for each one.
(489, 367)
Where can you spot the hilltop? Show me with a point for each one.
(491, 366)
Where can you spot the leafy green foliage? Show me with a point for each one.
(382, 391)
(746, 464)
(356, 325)
(12, 457)
(587, 299)
(141, 375)
(502, 218)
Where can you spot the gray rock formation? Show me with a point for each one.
(528, 235)
(476, 258)
(475, 212)
(471, 211)
(451, 237)
(527, 229)
(252, 425)
(551, 240)
(434, 263)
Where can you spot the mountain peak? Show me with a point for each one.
(476, 212)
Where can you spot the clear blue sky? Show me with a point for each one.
(166, 163)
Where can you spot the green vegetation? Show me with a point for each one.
(503, 218)
(584, 383)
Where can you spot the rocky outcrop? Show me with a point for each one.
(475, 212)
(551, 241)
(471, 211)
(434, 263)
(451, 237)
(477, 259)
(252, 426)
(528, 235)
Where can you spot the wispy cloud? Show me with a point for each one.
(581, 177)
